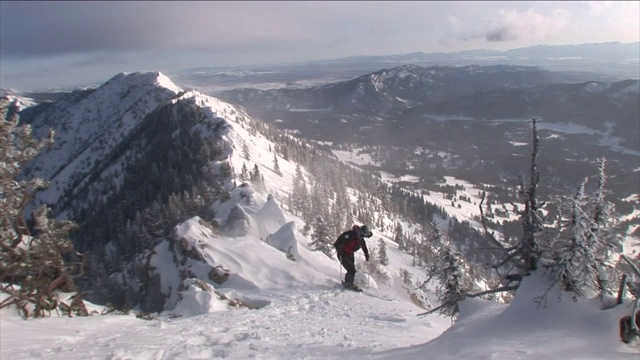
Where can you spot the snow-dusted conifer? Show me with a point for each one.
(399, 237)
(244, 173)
(276, 166)
(246, 154)
(582, 252)
(320, 237)
(448, 268)
(300, 194)
(453, 289)
(383, 258)
(32, 267)
(571, 266)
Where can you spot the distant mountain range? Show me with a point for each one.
(549, 56)
(472, 113)
(410, 93)
(612, 61)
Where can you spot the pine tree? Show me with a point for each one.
(276, 166)
(452, 284)
(246, 154)
(383, 259)
(32, 266)
(244, 173)
(603, 229)
(320, 238)
(398, 236)
(584, 245)
(449, 269)
(531, 222)
(406, 276)
(256, 178)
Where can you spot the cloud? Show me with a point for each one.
(529, 24)
(502, 34)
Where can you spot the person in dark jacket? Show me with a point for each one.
(346, 245)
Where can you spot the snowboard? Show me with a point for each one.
(367, 292)
(352, 287)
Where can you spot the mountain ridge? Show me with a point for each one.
(411, 93)
(177, 155)
(180, 155)
(89, 123)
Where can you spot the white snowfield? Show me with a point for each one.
(304, 314)
(322, 322)
(318, 322)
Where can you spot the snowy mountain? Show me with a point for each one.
(413, 93)
(91, 124)
(115, 149)
(189, 211)
(397, 88)
(617, 60)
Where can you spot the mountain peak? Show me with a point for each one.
(144, 78)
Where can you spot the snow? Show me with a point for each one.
(301, 323)
(405, 178)
(319, 321)
(20, 102)
(99, 122)
(356, 157)
(165, 82)
(294, 306)
(300, 312)
(561, 329)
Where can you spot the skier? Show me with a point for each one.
(348, 243)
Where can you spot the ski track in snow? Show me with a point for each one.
(322, 322)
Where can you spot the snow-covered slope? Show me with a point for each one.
(246, 283)
(91, 124)
(322, 322)
(528, 328)
(251, 246)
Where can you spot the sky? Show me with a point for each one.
(62, 44)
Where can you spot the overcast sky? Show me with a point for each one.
(49, 44)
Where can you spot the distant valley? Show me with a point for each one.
(472, 122)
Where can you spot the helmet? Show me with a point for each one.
(365, 231)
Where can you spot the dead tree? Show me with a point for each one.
(525, 254)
